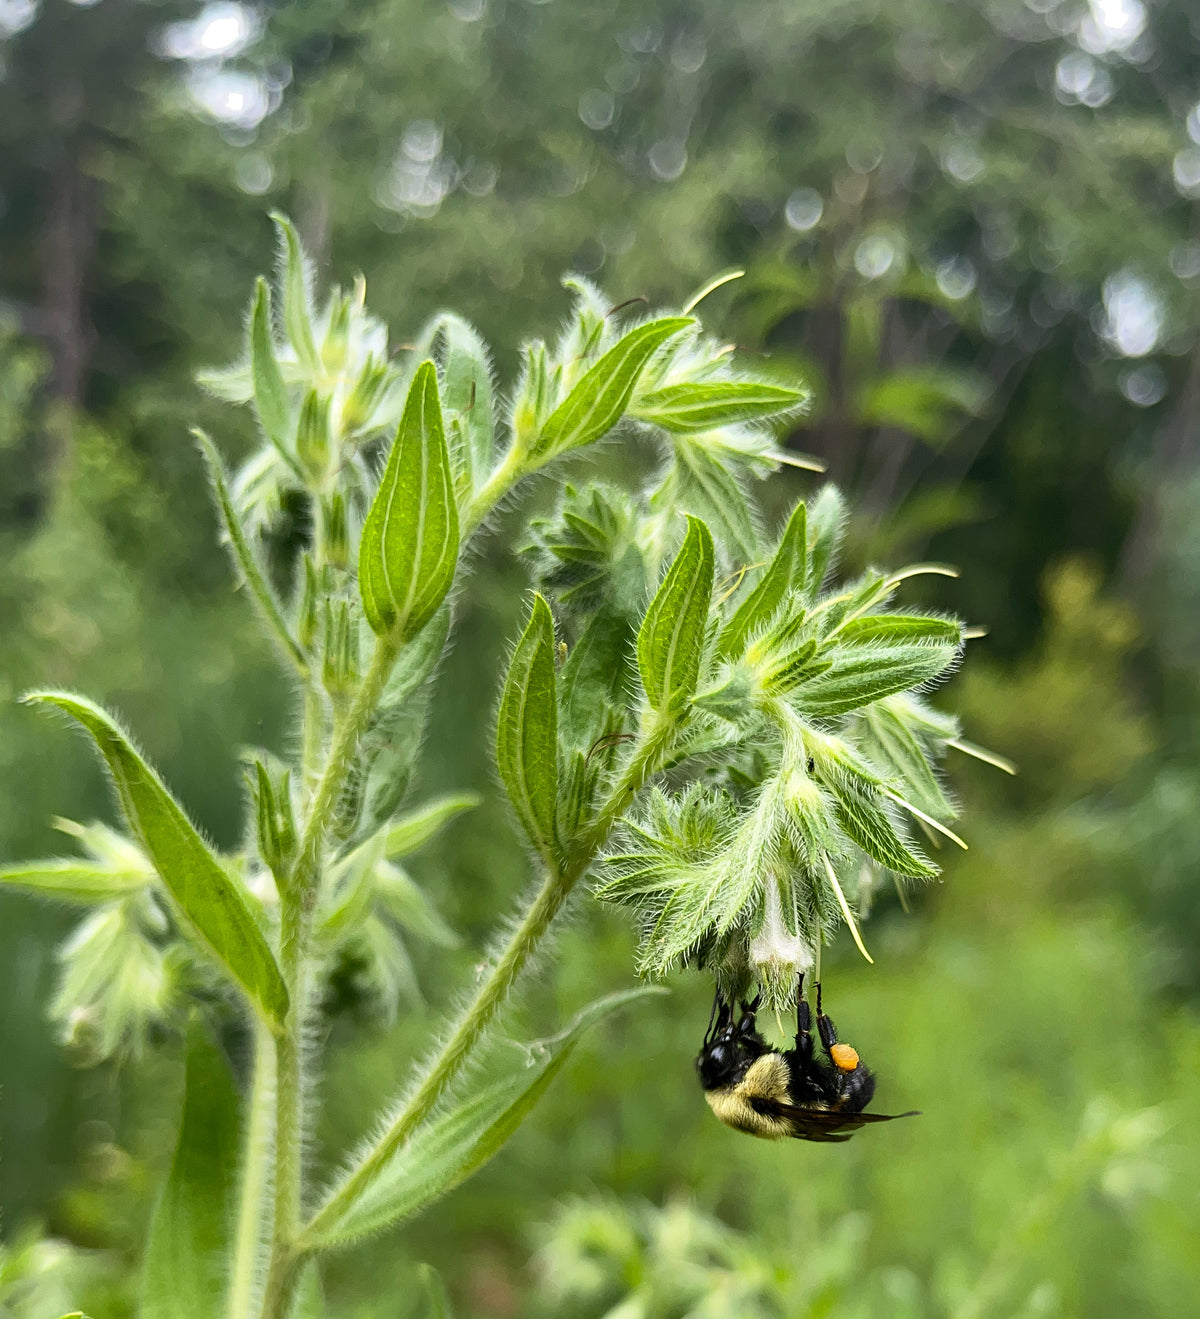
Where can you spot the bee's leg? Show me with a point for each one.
(852, 1081)
(804, 1039)
(712, 1016)
(747, 1029)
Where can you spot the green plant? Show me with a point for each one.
(695, 714)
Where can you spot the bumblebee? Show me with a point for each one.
(801, 1093)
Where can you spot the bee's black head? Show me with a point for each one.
(729, 1047)
(717, 1064)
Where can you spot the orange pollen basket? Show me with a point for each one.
(845, 1059)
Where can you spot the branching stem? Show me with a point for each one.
(646, 759)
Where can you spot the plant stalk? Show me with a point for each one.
(255, 1178)
(298, 903)
(493, 993)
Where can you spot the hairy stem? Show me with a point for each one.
(493, 993)
(244, 557)
(298, 903)
(255, 1178)
(509, 472)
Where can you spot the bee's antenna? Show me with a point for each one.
(712, 1016)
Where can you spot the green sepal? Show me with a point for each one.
(865, 822)
(73, 879)
(415, 828)
(826, 521)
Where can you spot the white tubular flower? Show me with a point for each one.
(777, 956)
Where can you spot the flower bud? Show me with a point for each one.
(309, 604)
(334, 544)
(313, 445)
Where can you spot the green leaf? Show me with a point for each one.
(297, 304)
(310, 1296)
(599, 400)
(671, 637)
(186, 1249)
(414, 829)
(861, 674)
(433, 1290)
(927, 401)
(409, 546)
(410, 907)
(785, 573)
(826, 521)
(243, 555)
(868, 825)
(707, 405)
(270, 393)
(595, 679)
(899, 627)
(895, 749)
(467, 396)
(74, 879)
(527, 729)
(391, 743)
(213, 907)
(447, 1150)
(710, 485)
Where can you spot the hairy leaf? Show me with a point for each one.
(188, 1241)
(467, 397)
(826, 521)
(74, 879)
(415, 828)
(527, 729)
(785, 574)
(710, 485)
(671, 637)
(896, 750)
(900, 627)
(213, 907)
(595, 679)
(707, 405)
(297, 303)
(860, 675)
(270, 393)
(409, 542)
(866, 823)
(599, 400)
(447, 1150)
(391, 743)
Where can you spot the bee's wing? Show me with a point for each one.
(821, 1124)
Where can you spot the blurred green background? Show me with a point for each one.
(973, 228)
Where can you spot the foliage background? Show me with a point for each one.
(973, 228)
